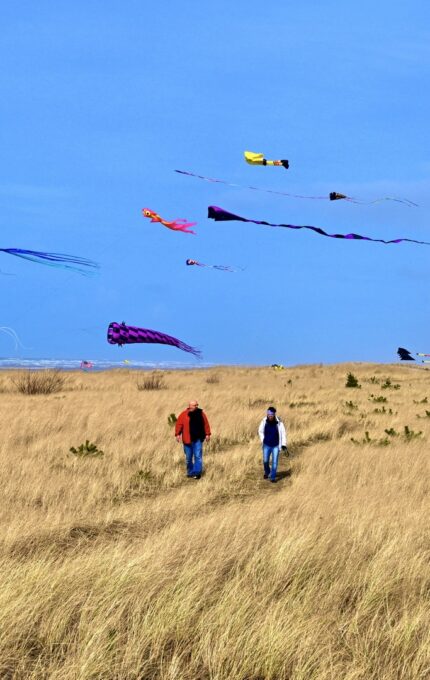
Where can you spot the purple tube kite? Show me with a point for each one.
(121, 334)
(220, 215)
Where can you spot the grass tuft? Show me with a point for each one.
(154, 382)
(40, 382)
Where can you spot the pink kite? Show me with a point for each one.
(175, 225)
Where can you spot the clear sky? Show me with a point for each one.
(101, 101)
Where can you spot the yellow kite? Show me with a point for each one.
(258, 159)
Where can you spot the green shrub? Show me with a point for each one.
(351, 405)
(388, 385)
(410, 434)
(352, 381)
(378, 400)
(87, 450)
(368, 440)
(383, 410)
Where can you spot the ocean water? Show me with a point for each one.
(98, 365)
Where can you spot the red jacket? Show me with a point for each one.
(182, 426)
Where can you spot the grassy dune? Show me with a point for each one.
(121, 568)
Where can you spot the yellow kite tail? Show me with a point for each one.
(254, 158)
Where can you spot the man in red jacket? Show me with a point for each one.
(193, 428)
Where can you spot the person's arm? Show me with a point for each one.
(261, 430)
(206, 426)
(179, 426)
(283, 434)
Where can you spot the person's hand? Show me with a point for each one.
(208, 438)
(178, 438)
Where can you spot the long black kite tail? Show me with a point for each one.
(221, 215)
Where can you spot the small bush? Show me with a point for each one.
(378, 400)
(410, 434)
(368, 440)
(171, 420)
(352, 381)
(154, 382)
(40, 382)
(388, 385)
(351, 405)
(87, 450)
(213, 379)
(383, 410)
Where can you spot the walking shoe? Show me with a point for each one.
(197, 476)
(273, 480)
(266, 476)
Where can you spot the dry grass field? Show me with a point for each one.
(120, 568)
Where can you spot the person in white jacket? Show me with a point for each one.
(273, 437)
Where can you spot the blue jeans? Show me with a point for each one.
(267, 452)
(194, 458)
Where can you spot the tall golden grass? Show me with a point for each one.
(121, 568)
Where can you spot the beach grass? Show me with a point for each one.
(118, 567)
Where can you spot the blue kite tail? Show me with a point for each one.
(59, 260)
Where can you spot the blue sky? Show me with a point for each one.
(101, 101)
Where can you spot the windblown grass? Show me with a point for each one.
(120, 568)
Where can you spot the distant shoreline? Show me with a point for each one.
(98, 365)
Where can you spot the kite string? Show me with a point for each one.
(349, 199)
(241, 186)
(405, 201)
(14, 335)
